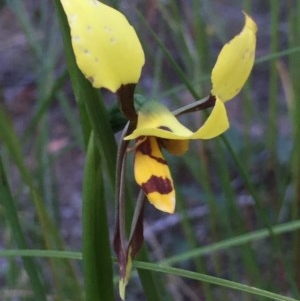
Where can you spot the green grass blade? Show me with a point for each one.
(233, 242)
(57, 254)
(219, 246)
(172, 61)
(212, 280)
(98, 275)
(275, 55)
(11, 214)
(11, 142)
(50, 235)
(293, 96)
(272, 126)
(19, 8)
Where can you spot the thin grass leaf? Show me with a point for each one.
(192, 242)
(272, 125)
(50, 234)
(293, 96)
(11, 214)
(169, 56)
(206, 250)
(98, 275)
(9, 138)
(18, 7)
(57, 254)
(212, 280)
(233, 242)
(45, 101)
(279, 54)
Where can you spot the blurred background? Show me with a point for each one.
(225, 190)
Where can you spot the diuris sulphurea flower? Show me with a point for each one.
(110, 55)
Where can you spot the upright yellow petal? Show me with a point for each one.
(106, 46)
(153, 175)
(235, 62)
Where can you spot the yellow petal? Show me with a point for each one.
(235, 62)
(154, 119)
(175, 147)
(106, 46)
(153, 175)
(215, 125)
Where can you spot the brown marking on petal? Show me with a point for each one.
(165, 128)
(145, 149)
(158, 184)
(126, 99)
(208, 104)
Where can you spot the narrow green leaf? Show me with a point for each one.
(57, 254)
(11, 214)
(210, 279)
(98, 275)
(50, 234)
(215, 247)
(11, 142)
(233, 242)
(277, 55)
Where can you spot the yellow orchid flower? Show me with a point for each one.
(106, 46)
(158, 128)
(110, 55)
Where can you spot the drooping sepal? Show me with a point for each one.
(153, 175)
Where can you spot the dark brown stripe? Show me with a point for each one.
(158, 184)
(165, 128)
(126, 99)
(145, 149)
(208, 104)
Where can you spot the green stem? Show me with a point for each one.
(272, 135)
(120, 227)
(137, 211)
